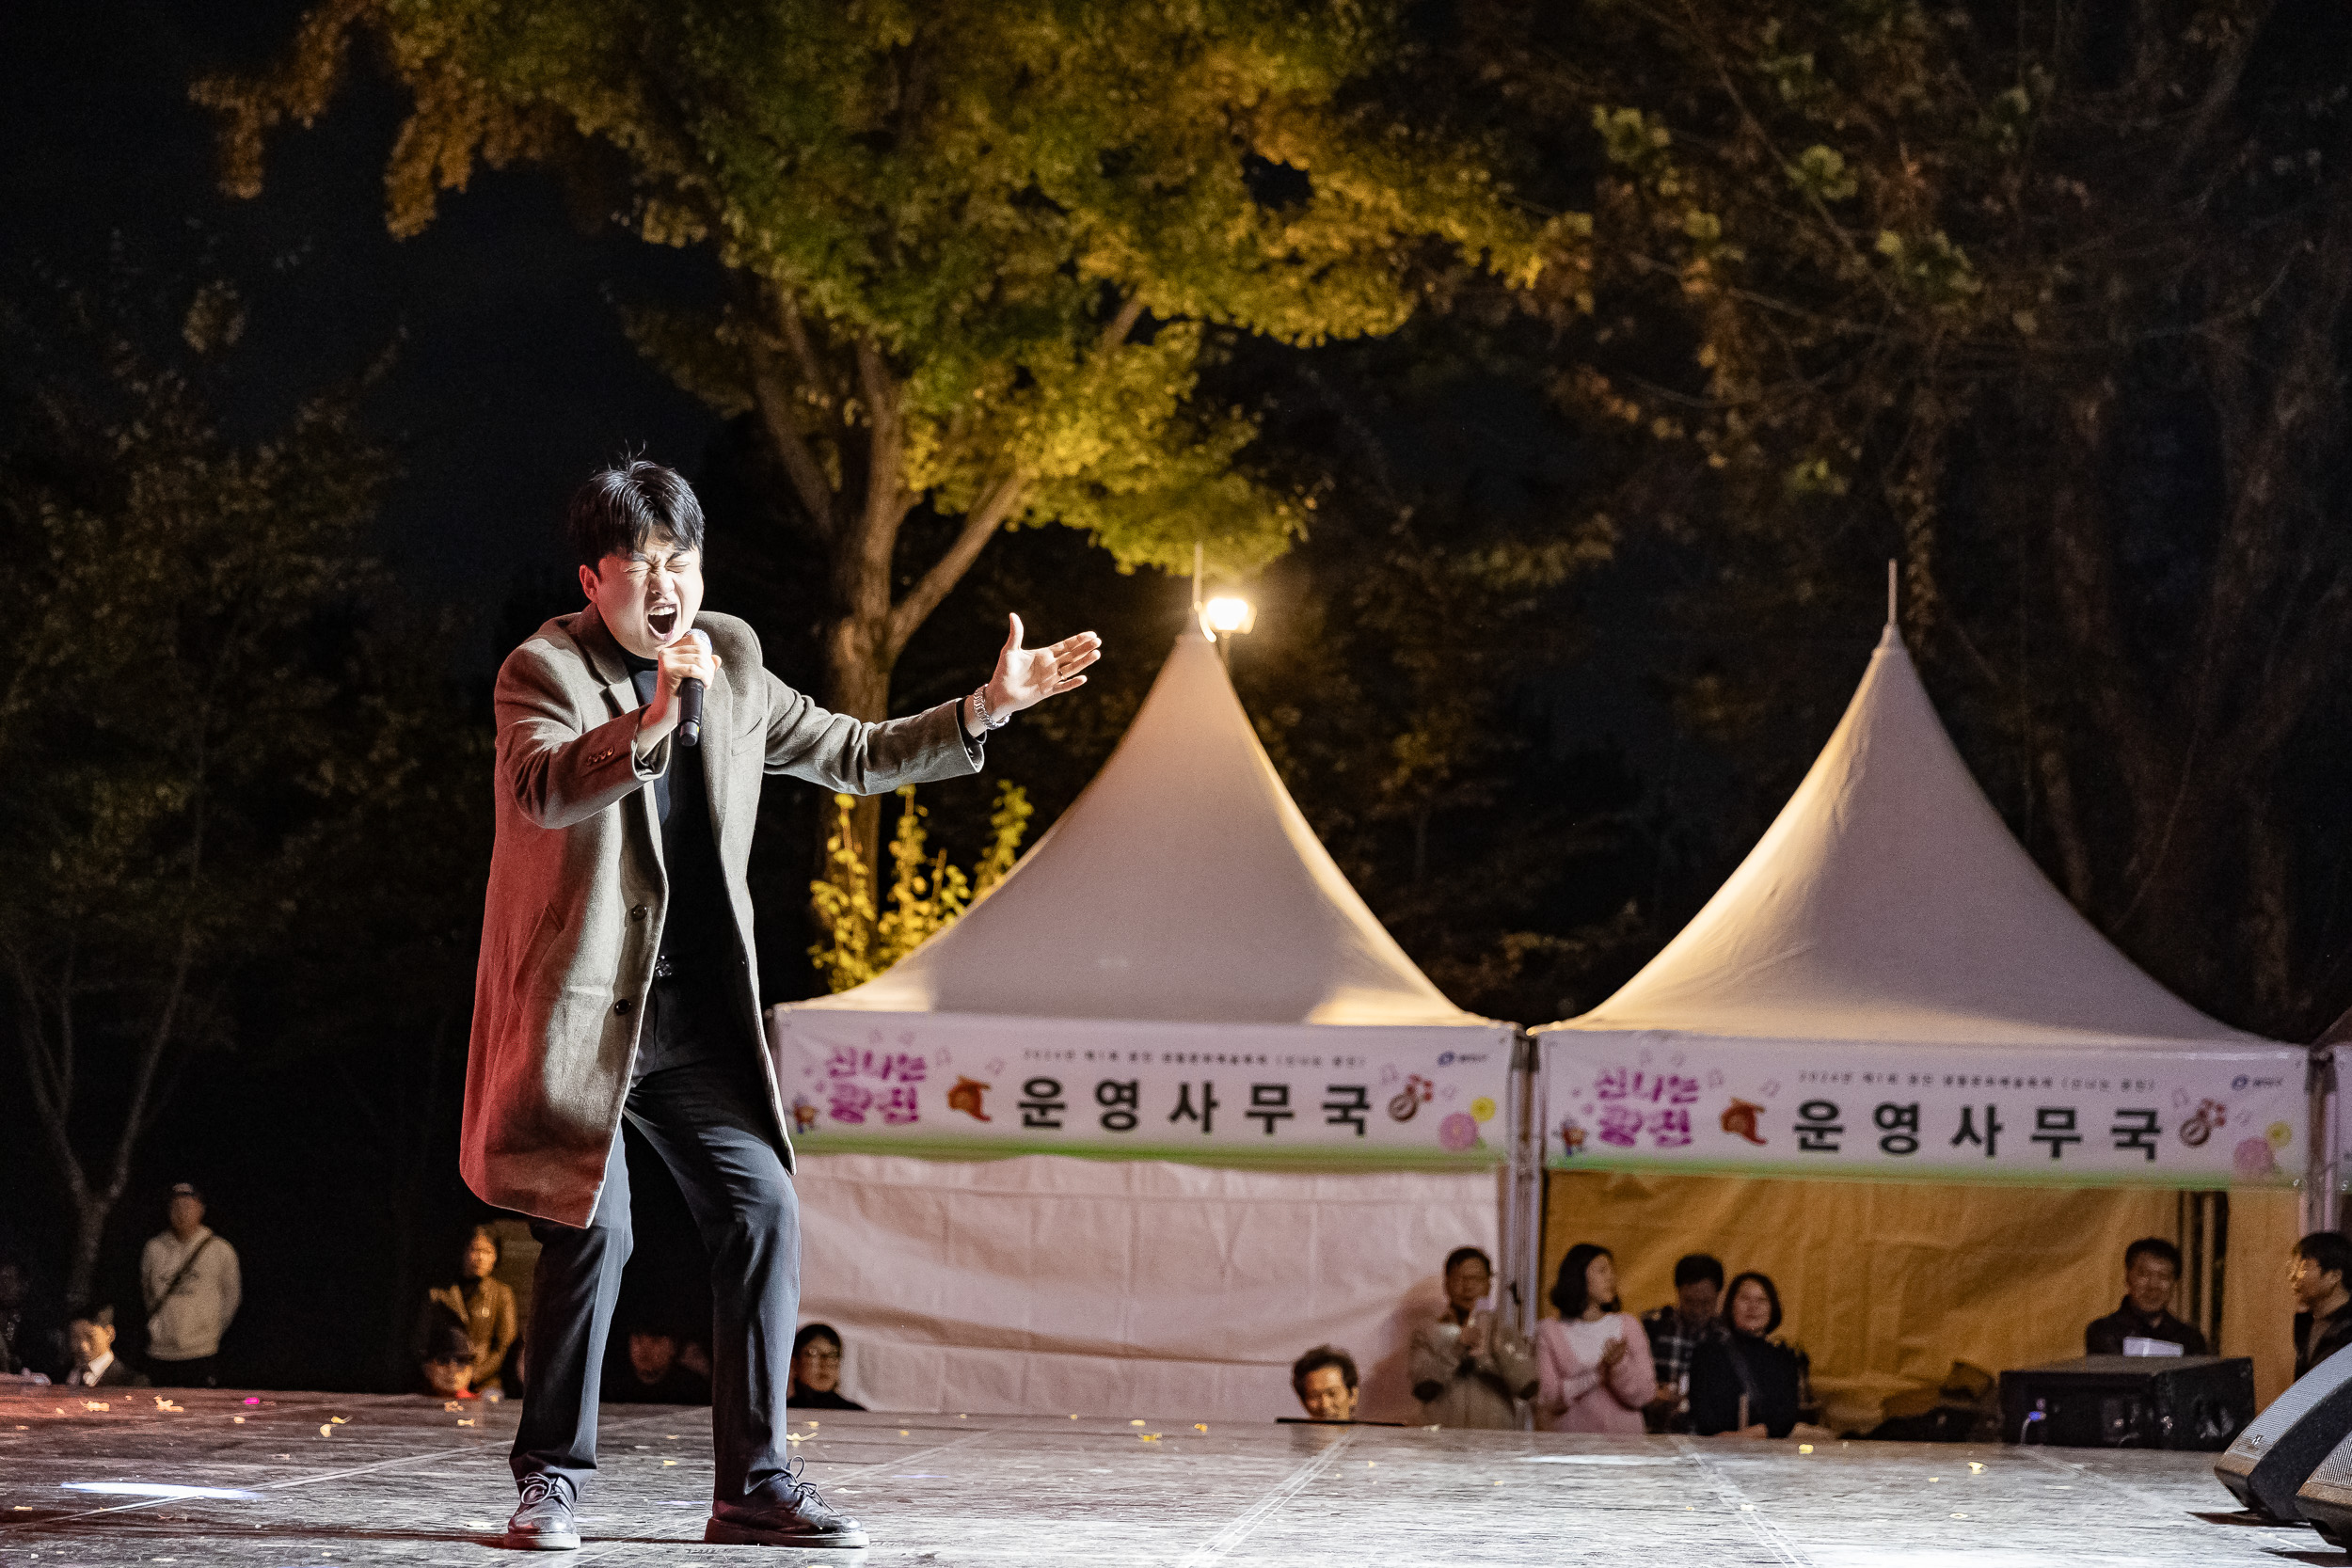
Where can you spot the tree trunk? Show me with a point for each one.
(91, 1215)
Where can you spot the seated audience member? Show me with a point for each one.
(445, 1358)
(482, 1307)
(816, 1371)
(1740, 1382)
(654, 1375)
(2152, 1267)
(1594, 1371)
(1676, 1331)
(1325, 1383)
(2323, 1267)
(1469, 1368)
(91, 1338)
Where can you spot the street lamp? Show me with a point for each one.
(1229, 616)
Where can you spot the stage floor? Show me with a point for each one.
(314, 1479)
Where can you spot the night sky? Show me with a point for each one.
(513, 378)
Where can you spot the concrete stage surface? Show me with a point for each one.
(319, 1479)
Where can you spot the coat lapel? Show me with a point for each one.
(603, 653)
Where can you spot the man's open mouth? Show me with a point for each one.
(662, 622)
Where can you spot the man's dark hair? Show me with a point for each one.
(2329, 1250)
(1771, 1293)
(1570, 1292)
(618, 509)
(446, 1339)
(816, 1331)
(2155, 1247)
(1462, 1255)
(1693, 1267)
(1318, 1358)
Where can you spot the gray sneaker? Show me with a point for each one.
(543, 1520)
(787, 1513)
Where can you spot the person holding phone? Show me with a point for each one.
(1469, 1367)
(1594, 1371)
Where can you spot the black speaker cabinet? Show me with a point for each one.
(2130, 1401)
(2271, 1459)
(2325, 1497)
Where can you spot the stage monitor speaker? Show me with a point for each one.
(2129, 1402)
(2271, 1459)
(2325, 1498)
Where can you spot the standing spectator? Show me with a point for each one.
(655, 1375)
(190, 1279)
(2322, 1262)
(1469, 1368)
(91, 1338)
(2152, 1267)
(482, 1306)
(1742, 1382)
(1590, 1376)
(1675, 1334)
(1325, 1383)
(816, 1371)
(16, 1334)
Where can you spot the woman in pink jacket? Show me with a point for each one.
(1592, 1362)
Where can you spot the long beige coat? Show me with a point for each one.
(577, 894)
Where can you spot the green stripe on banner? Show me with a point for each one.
(1324, 1156)
(2177, 1180)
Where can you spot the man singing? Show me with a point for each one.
(618, 979)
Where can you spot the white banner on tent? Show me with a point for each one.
(944, 1083)
(1621, 1101)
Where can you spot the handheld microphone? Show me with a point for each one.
(690, 700)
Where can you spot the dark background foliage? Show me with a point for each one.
(1589, 574)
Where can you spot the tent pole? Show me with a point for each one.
(1890, 592)
(1523, 1197)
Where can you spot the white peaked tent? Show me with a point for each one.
(1888, 903)
(1177, 972)
(1181, 887)
(1889, 988)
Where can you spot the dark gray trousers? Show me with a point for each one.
(706, 1114)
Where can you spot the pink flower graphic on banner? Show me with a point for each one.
(2255, 1157)
(1459, 1132)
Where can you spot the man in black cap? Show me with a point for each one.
(191, 1282)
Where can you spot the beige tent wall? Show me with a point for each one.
(2257, 1315)
(1887, 1284)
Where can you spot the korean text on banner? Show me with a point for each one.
(2176, 1118)
(946, 1082)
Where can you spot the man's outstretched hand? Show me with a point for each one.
(1026, 677)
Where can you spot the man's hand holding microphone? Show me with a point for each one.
(687, 667)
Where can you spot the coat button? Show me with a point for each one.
(621, 1007)
(638, 912)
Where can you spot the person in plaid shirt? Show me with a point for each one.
(1675, 1334)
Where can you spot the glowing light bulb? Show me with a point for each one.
(1229, 616)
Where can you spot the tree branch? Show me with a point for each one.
(978, 524)
(773, 395)
(1120, 324)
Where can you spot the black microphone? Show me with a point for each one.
(690, 700)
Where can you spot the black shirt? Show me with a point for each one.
(808, 1399)
(2105, 1336)
(2335, 1332)
(698, 938)
(1724, 1367)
